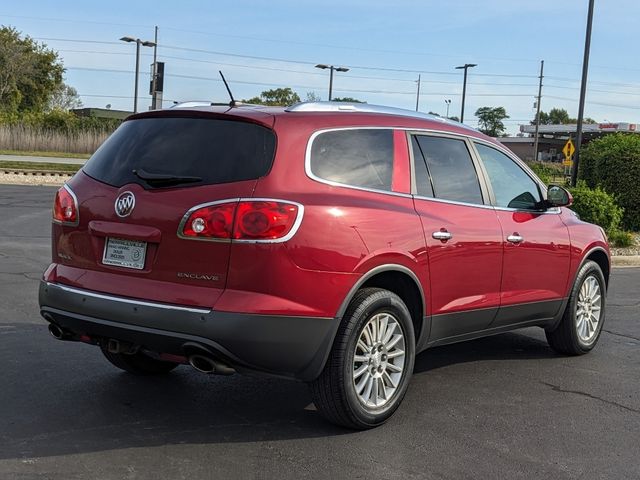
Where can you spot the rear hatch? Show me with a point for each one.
(136, 189)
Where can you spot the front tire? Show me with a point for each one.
(368, 370)
(581, 324)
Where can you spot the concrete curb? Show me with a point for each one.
(625, 261)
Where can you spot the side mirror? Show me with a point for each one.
(558, 196)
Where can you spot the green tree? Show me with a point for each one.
(490, 120)
(64, 97)
(347, 99)
(612, 163)
(559, 116)
(313, 97)
(29, 72)
(276, 97)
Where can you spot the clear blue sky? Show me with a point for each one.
(261, 45)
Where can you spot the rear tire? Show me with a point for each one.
(370, 364)
(138, 363)
(581, 324)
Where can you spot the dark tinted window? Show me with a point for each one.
(512, 187)
(452, 171)
(217, 151)
(423, 180)
(362, 158)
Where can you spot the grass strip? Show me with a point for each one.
(44, 154)
(43, 166)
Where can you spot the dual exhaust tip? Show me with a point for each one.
(201, 362)
(58, 333)
(206, 364)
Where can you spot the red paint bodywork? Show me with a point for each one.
(345, 233)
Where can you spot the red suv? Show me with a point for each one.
(327, 243)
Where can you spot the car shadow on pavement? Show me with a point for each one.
(505, 346)
(59, 398)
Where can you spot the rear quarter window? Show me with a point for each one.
(360, 158)
(215, 150)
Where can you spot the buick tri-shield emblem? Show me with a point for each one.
(125, 203)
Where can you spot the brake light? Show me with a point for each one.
(214, 221)
(65, 207)
(243, 220)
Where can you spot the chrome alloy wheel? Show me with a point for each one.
(378, 360)
(588, 309)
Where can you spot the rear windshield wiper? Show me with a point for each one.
(161, 179)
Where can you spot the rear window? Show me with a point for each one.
(362, 158)
(208, 151)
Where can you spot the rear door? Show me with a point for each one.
(536, 242)
(134, 193)
(463, 235)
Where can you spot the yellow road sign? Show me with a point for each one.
(568, 150)
(567, 163)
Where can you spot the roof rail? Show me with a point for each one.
(191, 104)
(366, 108)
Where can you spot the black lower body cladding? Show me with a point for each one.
(293, 347)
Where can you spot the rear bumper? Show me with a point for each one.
(294, 347)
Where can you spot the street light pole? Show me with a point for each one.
(135, 90)
(138, 42)
(331, 69)
(466, 67)
(583, 93)
(418, 94)
(448, 103)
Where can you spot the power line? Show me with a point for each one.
(264, 84)
(298, 62)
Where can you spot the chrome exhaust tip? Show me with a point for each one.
(202, 364)
(56, 332)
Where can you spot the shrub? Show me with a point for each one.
(613, 163)
(548, 172)
(620, 239)
(594, 205)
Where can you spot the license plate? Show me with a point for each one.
(124, 253)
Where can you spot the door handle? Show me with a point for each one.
(442, 235)
(515, 238)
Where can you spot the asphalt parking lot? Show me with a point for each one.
(501, 407)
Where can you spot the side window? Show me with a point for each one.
(453, 174)
(512, 187)
(362, 158)
(423, 179)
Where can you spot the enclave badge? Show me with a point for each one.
(125, 203)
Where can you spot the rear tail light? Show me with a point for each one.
(65, 207)
(243, 220)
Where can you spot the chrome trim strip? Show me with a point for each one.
(75, 202)
(287, 237)
(143, 303)
(453, 202)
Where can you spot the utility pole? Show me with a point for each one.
(466, 67)
(154, 79)
(418, 94)
(583, 93)
(535, 143)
